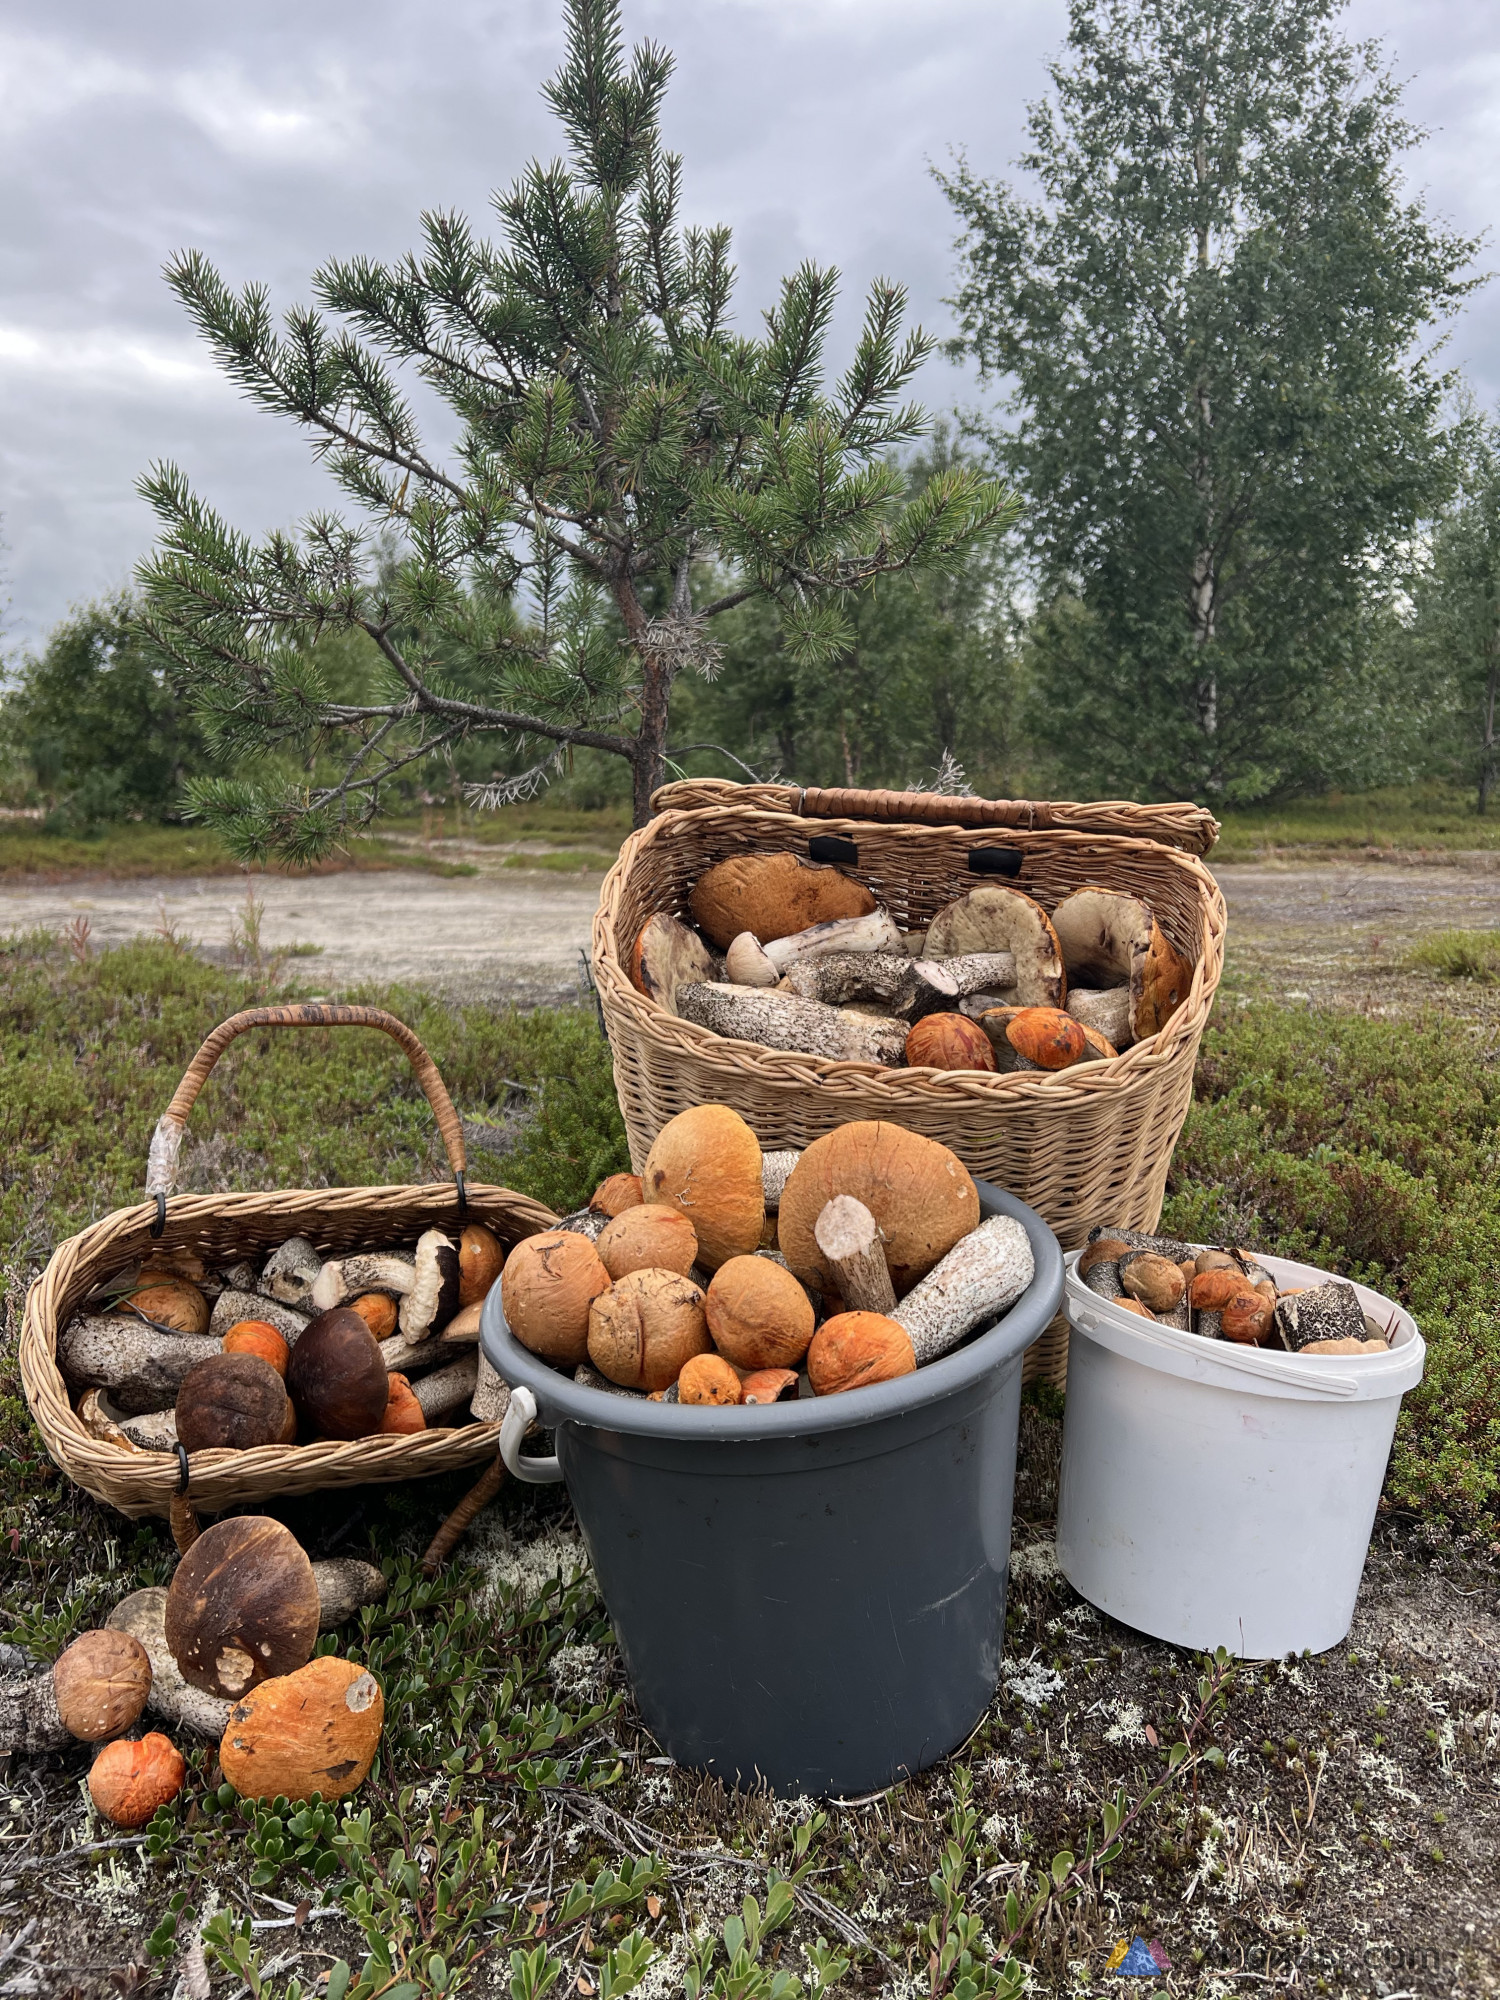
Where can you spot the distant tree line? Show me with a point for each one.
(1251, 546)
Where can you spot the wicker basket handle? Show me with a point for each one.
(1187, 826)
(166, 1140)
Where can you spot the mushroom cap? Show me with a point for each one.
(547, 1287)
(668, 955)
(949, 1041)
(233, 1402)
(480, 1258)
(708, 1379)
(769, 1385)
(1247, 1318)
(747, 962)
(130, 1782)
(169, 1302)
(773, 896)
(616, 1193)
(336, 1377)
(1211, 1291)
(643, 1329)
(921, 1195)
(258, 1337)
(378, 1310)
(758, 1314)
(1047, 1037)
(1155, 1281)
(403, 1413)
(855, 1349)
(993, 918)
(707, 1162)
(101, 1683)
(652, 1237)
(242, 1606)
(1111, 939)
(313, 1730)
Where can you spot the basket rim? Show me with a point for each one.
(790, 1067)
(149, 1479)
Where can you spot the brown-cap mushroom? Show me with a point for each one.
(668, 955)
(173, 1304)
(855, 1349)
(781, 1021)
(978, 1279)
(434, 1295)
(1156, 1281)
(95, 1688)
(994, 919)
(1110, 939)
(949, 1041)
(313, 1730)
(772, 895)
(344, 1278)
(643, 1329)
(758, 1315)
(242, 1605)
(654, 1236)
(337, 1378)
(481, 1257)
(233, 1402)
(546, 1289)
(707, 1162)
(130, 1782)
(463, 1329)
(921, 1195)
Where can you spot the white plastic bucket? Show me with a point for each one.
(1217, 1495)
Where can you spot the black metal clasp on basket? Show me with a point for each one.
(996, 861)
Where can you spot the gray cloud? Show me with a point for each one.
(276, 136)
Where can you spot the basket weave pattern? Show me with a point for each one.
(1090, 1143)
(222, 1229)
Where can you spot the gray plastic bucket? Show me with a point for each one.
(809, 1594)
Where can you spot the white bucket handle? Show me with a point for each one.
(519, 1416)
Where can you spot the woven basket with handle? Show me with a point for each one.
(222, 1229)
(1087, 1145)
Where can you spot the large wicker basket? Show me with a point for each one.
(222, 1229)
(1090, 1144)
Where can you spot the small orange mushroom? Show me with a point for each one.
(403, 1413)
(949, 1041)
(1047, 1037)
(378, 1312)
(260, 1338)
(856, 1349)
(131, 1781)
(708, 1379)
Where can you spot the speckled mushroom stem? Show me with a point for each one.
(976, 1281)
(141, 1366)
(233, 1306)
(29, 1719)
(449, 1388)
(849, 1238)
(775, 1172)
(143, 1616)
(780, 1021)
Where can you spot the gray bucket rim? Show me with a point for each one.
(561, 1400)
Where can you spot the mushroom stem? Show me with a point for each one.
(781, 1021)
(775, 1172)
(345, 1278)
(979, 971)
(491, 1398)
(904, 985)
(849, 1239)
(980, 1276)
(29, 1721)
(232, 1306)
(458, 1523)
(143, 1616)
(875, 932)
(589, 1222)
(590, 1378)
(449, 1388)
(346, 1585)
(141, 1366)
(403, 1353)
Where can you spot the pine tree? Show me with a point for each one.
(619, 445)
(1214, 320)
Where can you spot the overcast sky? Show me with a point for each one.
(277, 135)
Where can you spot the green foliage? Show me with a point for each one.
(617, 442)
(1460, 955)
(94, 729)
(1429, 815)
(1213, 315)
(1456, 628)
(1372, 1148)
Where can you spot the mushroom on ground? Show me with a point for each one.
(921, 1195)
(130, 1782)
(772, 895)
(95, 1688)
(668, 955)
(337, 1378)
(855, 1349)
(707, 1162)
(781, 1021)
(312, 1730)
(643, 1329)
(242, 1605)
(994, 919)
(1110, 939)
(546, 1289)
(977, 1280)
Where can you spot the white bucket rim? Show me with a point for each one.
(1327, 1378)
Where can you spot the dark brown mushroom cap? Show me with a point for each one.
(232, 1402)
(242, 1607)
(337, 1376)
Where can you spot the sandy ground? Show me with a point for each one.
(1333, 932)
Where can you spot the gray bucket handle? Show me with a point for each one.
(520, 1415)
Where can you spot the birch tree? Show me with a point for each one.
(1457, 621)
(1212, 318)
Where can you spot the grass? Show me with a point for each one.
(1460, 955)
(521, 1833)
(1399, 819)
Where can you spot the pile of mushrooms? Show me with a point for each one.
(296, 1349)
(1224, 1294)
(225, 1652)
(798, 956)
(724, 1275)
